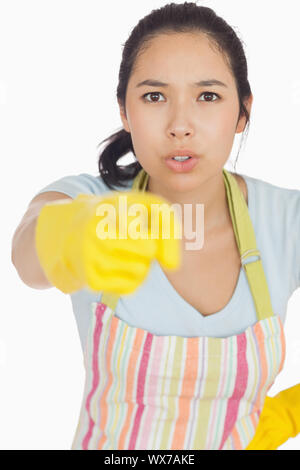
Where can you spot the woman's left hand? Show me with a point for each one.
(279, 420)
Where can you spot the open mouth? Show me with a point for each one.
(183, 159)
(181, 166)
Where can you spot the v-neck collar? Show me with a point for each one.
(169, 290)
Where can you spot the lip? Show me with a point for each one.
(182, 153)
(181, 167)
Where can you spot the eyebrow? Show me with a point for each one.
(211, 82)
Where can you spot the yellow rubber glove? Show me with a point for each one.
(279, 420)
(74, 253)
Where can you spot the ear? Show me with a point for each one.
(242, 121)
(123, 117)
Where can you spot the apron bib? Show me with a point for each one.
(145, 391)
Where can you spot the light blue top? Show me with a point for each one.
(157, 307)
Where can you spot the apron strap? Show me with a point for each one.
(110, 299)
(246, 242)
(140, 181)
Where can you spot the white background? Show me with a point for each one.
(59, 64)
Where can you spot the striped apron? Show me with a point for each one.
(144, 391)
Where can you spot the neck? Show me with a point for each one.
(211, 193)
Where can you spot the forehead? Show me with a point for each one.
(178, 55)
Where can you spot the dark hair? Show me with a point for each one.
(185, 17)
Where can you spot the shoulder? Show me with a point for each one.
(272, 205)
(263, 189)
(266, 189)
(275, 214)
(85, 183)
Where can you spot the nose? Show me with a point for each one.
(180, 125)
(179, 133)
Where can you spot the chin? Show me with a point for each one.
(183, 185)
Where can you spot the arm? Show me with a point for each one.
(23, 252)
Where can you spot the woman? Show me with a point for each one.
(180, 358)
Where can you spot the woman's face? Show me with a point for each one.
(200, 118)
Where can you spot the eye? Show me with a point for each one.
(210, 93)
(151, 93)
(158, 93)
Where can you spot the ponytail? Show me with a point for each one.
(119, 144)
